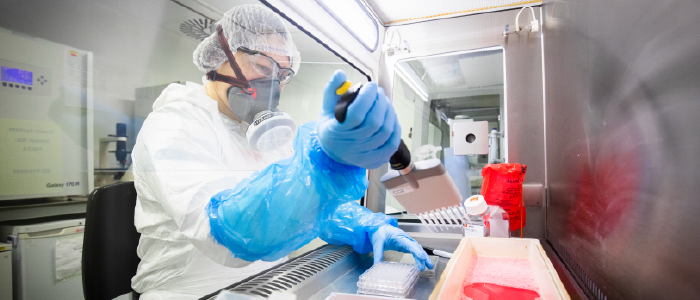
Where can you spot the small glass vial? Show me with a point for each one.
(485, 220)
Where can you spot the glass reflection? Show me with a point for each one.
(82, 76)
(435, 95)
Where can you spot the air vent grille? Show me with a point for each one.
(198, 29)
(584, 281)
(288, 276)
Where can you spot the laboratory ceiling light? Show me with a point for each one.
(393, 12)
(355, 19)
(410, 79)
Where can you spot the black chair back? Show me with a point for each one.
(110, 242)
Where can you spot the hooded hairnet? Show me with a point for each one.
(255, 27)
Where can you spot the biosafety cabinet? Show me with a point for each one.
(597, 99)
(445, 74)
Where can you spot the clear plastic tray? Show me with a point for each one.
(384, 291)
(341, 296)
(408, 259)
(388, 279)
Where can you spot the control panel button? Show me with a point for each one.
(29, 87)
(23, 87)
(12, 85)
(4, 84)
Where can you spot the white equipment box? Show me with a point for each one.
(46, 115)
(469, 138)
(5, 271)
(46, 259)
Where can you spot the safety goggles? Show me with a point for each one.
(267, 66)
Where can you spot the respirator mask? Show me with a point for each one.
(256, 101)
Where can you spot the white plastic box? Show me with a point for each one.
(5, 271)
(46, 259)
(450, 285)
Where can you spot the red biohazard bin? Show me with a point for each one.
(503, 186)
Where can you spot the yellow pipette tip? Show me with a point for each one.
(343, 88)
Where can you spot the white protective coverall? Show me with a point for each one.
(186, 152)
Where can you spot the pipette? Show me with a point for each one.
(425, 188)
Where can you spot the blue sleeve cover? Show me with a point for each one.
(286, 205)
(353, 225)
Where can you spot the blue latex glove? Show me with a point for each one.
(352, 224)
(370, 133)
(388, 237)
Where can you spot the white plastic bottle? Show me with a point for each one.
(485, 220)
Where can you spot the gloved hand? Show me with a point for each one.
(388, 237)
(370, 133)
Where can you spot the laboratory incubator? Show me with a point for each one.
(548, 147)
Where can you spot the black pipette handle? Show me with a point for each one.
(401, 158)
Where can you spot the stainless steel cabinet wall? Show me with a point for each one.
(622, 92)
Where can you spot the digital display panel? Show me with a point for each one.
(16, 75)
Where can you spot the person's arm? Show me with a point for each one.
(367, 137)
(286, 205)
(177, 168)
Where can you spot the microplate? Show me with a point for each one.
(388, 279)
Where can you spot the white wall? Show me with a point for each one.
(404, 106)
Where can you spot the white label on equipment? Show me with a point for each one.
(474, 231)
(69, 251)
(401, 191)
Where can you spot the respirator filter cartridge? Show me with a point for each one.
(270, 130)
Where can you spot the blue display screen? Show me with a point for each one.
(16, 75)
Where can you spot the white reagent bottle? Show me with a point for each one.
(485, 220)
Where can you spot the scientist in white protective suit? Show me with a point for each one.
(201, 230)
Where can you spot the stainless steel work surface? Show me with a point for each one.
(328, 269)
(347, 283)
(337, 269)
